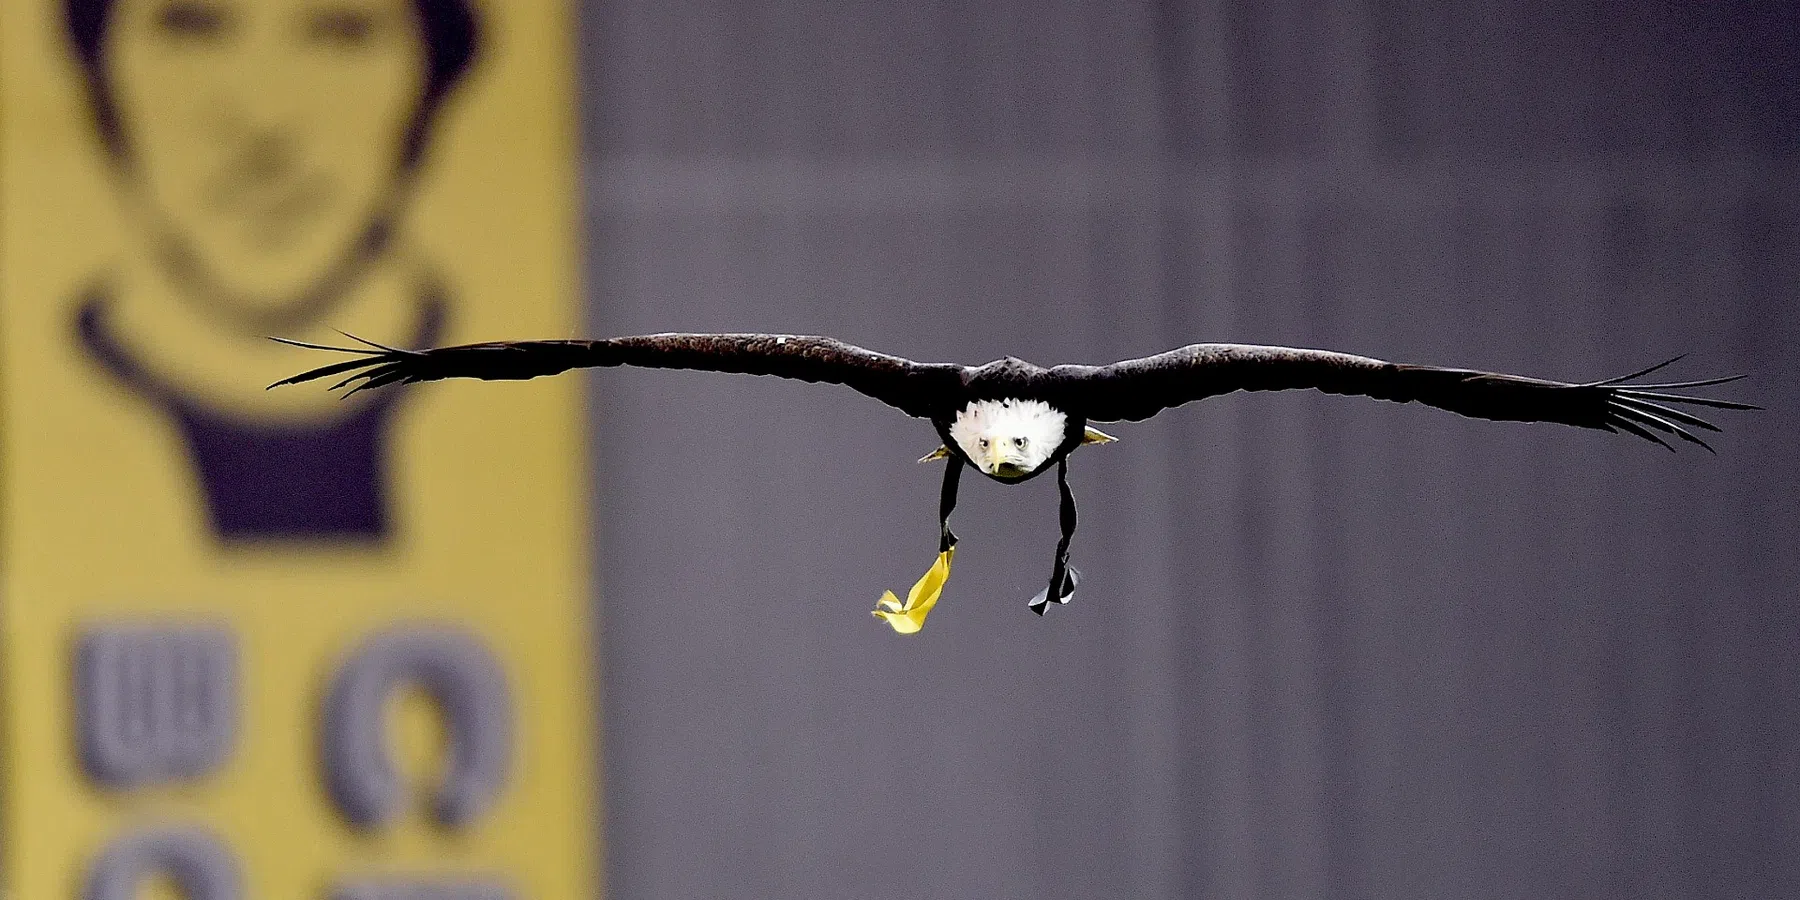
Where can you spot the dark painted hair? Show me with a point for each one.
(450, 29)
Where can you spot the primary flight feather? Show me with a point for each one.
(1011, 420)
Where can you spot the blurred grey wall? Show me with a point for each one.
(1326, 647)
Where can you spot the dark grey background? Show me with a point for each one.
(1326, 647)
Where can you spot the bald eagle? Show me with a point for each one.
(1011, 420)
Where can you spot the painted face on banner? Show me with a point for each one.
(264, 136)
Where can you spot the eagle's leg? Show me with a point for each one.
(1063, 577)
(946, 503)
(909, 617)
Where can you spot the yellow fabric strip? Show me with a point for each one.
(910, 617)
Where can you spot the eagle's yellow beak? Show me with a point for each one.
(910, 617)
(996, 457)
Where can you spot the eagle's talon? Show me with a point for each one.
(1064, 592)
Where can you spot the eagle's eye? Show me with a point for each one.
(984, 443)
(1019, 442)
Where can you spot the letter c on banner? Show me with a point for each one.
(470, 690)
(198, 864)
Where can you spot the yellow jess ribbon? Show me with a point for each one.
(908, 619)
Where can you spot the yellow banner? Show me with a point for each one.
(274, 644)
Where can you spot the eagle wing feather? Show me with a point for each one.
(918, 389)
(1140, 388)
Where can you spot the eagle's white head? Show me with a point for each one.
(1009, 438)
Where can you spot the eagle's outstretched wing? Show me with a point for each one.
(1140, 388)
(918, 389)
